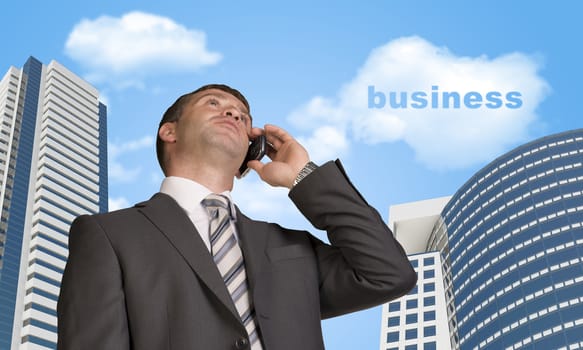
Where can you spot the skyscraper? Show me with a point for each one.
(53, 167)
(418, 320)
(512, 242)
(511, 245)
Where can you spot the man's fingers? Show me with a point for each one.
(255, 165)
(255, 132)
(276, 135)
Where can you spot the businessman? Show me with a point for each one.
(187, 270)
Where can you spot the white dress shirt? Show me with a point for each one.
(189, 195)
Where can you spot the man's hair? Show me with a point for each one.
(174, 113)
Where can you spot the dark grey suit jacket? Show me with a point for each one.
(141, 278)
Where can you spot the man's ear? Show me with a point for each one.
(167, 132)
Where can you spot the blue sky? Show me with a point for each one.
(307, 66)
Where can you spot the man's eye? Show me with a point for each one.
(213, 102)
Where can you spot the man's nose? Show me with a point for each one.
(233, 113)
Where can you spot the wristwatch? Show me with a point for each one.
(306, 170)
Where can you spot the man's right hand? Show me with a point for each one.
(288, 157)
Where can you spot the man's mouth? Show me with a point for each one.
(227, 122)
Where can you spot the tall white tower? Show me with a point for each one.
(418, 320)
(53, 167)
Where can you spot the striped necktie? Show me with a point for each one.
(229, 259)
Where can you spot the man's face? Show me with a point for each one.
(214, 120)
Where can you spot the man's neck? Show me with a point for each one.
(215, 179)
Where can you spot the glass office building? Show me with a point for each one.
(53, 167)
(511, 239)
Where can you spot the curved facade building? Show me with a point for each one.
(512, 242)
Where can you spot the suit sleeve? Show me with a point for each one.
(364, 265)
(91, 307)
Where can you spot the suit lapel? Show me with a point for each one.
(164, 213)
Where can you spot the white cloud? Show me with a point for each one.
(117, 203)
(116, 149)
(137, 44)
(260, 201)
(441, 137)
(327, 142)
(120, 173)
(117, 171)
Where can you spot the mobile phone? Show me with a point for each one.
(257, 149)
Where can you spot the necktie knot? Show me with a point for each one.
(216, 203)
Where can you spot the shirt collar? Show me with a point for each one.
(189, 194)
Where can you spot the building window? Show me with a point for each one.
(429, 287)
(411, 334)
(411, 318)
(430, 346)
(392, 337)
(428, 261)
(428, 274)
(429, 316)
(395, 306)
(394, 321)
(414, 290)
(411, 347)
(429, 331)
(412, 304)
(428, 301)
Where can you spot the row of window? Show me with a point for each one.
(44, 279)
(537, 219)
(57, 117)
(540, 335)
(527, 298)
(426, 346)
(64, 134)
(524, 182)
(68, 190)
(427, 261)
(64, 195)
(71, 153)
(411, 304)
(516, 200)
(42, 293)
(541, 174)
(514, 247)
(520, 345)
(515, 251)
(535, 225)
(529, 320)
(395, 321)
(411, 333)
(534, 275)
(60, 89)
(39, 341)
(503, 165)
(64, 80)
(427, 287)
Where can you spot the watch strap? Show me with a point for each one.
(306, 170)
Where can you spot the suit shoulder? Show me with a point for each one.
(115, 214)
(119, 216)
